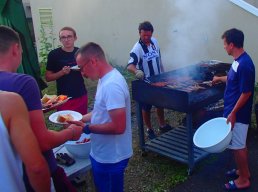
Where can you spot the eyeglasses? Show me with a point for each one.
(68, 38)
(81, 67)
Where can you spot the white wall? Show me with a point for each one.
(188, 31)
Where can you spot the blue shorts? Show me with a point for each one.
(109, 177)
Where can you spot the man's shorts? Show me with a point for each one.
(239, 135)
(109, 177)
(146, 107)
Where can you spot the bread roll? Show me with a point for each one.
(48, 99)
(45, 99)
(65, 117)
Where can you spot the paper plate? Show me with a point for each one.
(76, 67)
(76, 116)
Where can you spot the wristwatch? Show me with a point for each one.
(86, 129)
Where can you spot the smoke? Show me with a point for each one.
(194, 23)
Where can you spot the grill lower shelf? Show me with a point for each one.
(174, 144)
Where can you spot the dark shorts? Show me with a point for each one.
(146, 107)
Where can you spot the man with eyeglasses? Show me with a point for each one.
(110, 120)
(69, 82)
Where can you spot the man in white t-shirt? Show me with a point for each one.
(110, 120)
(144, 62)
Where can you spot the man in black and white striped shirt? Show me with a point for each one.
(145, 61)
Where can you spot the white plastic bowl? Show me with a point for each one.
(214, 135)
(80, 150)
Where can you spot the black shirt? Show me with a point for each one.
(71, 84)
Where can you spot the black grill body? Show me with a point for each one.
(177, 144)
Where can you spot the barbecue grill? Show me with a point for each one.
(185, 90)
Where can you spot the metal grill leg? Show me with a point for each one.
(190, 142)
(140, 125)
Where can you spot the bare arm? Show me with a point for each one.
(87, 117)
(131, 68)
(217, 79)
(25, 142)
(51, 76)
(50, 139)
(138, 73)
(116, 126)
(240, 103)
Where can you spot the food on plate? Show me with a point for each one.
(51, 101)
(62, 97)
(46, 99)
(85, 140)
(62, 118)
